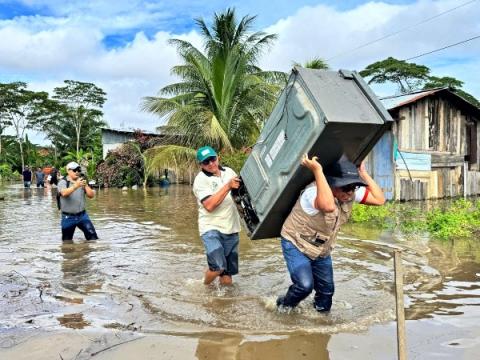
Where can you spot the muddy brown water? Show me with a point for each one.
(144, 276)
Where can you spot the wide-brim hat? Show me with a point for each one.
(342, 173)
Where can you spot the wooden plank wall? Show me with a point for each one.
(473, 182)
(431, 124)
(435, 184)
(413, 190)
(435, 126)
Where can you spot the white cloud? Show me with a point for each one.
(325, 32)
(44, 51)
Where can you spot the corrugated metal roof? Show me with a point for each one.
(129, 131)
(392, 102)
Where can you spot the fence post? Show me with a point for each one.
(401, 343)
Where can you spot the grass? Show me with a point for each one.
(459, 219)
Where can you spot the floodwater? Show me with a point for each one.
(143, 277)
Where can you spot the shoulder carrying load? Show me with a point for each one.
(323, 113)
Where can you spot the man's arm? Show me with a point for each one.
(213, 201)
(324, 201)
(89, 191)
(77, 185)
(375, 193)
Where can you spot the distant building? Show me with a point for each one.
(114, 138)
(432, 149)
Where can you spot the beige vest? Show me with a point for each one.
(315, 235)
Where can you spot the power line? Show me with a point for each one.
(401, 30)
(443, 48)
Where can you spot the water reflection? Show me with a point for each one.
(454, 283)
(215, 346)
(145, 272)
(77, 268)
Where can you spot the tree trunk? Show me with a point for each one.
(78, 128)
(21, 154)
(78, 142)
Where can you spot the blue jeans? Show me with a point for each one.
(307, 275)
(82, 221)
(222, 251)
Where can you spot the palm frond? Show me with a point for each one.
(171, 157)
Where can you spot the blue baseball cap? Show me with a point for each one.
(205, 152)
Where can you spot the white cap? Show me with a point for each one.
(72, 165)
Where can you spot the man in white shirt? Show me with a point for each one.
(218, 219)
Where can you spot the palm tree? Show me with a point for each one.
(223, 97)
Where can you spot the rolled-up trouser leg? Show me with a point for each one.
(215, 252)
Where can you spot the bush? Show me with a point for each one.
(380, 215)
(6, 172)
(234, 160)
(122, 167)
(460, 219)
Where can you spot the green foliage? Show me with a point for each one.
(470, 98)
(460, 219)
(454, 84)
(446, 81)
(378, 215)
(411, 77)
(76, 117)
(21, 109)
(6, 172)
(223, 98)
(234, 160)
(408, 76)
(9, 153)
(122, 167)
(315, 63)
(127, 177)
(174, 157)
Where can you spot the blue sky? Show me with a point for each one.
(122, 45)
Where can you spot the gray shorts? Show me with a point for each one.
(222, 251)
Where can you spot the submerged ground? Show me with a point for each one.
(137, 292)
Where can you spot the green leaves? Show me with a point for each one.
(80, 94)
(408, 76)
(458, 219)
(412, 77)
(315, 63)
(222, 97)
(22, 109)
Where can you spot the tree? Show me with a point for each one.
(411, 77)
(9, 154)
(3, 125)
(82, 103)
(454, 84)
(315, 63)
(62, 132)
(21, 108)
(223, 97)
(408, 76)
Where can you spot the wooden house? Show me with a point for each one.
(432, 149)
